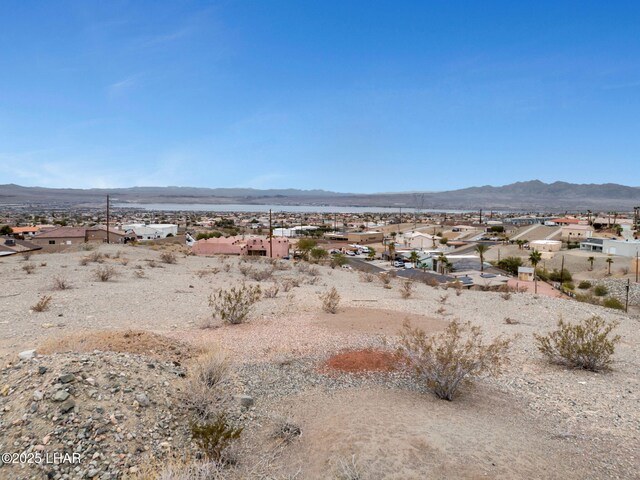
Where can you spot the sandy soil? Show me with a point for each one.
(535, 421)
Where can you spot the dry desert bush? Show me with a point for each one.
(215, 437)
(272, 291)
(285, 429)
(432, 282)
(330, 300)
(233, 306)
(588, 344)
(61, 283)
(446, 361)
(349, 469)
(406, 289)
(168, 257)
(29, 268)
(43, 304)
(104, 274)
(367, 277)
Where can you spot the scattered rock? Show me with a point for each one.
(143, 400)
(67, 405)
(67, 377)
(245, 400)
(60, 396)
(27, 354)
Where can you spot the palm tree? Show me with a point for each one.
(591, 260)
(481, 249)
(414, 258)
(519, 243)
(609, 261)
(535, 258)
(392, 251)
(442, 263)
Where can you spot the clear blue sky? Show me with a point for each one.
(362, 96)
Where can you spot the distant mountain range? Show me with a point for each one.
(533, 195)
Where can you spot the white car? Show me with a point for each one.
(398, 263)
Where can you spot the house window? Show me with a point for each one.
(52, 242)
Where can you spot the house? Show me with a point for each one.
(26, 231)
(60, 238)
(277, 247)
(548, 246)
(526, 274)
(565, 221)
(575, 233)
(152, 231)
(625, 248)
(418, 240)
(365, 237)
(296, 231)
(11, 246)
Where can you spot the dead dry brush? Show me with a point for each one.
(330, 300)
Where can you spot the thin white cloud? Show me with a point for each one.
(124, 85)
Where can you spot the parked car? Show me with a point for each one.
(350, 253)
(398, 263)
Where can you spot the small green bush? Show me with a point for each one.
(234, 305)
(569, 286)
(611, 302)
(585, 345)
(214, 438)
(560, 276)
(600, 290)
(584, 285)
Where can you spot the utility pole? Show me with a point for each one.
(562, 272)
(400, 222)
(637, 264)
(108, 239)
(626, 305)
(480, 216)
(270, 237)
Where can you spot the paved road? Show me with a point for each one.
(412, 273)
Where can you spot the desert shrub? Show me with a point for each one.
(584, 285)
(367, 277)
(446, 361)
(511, 321)
(212, 369)
(542, 274)
(61, 283)
(432, 282)
(26, 256)
(330, 300)
(233, 306)
(260, 275)
(168, 257)
(569, 286)
(182, 470)
(96, 257)
(406, 289)
(272, 291)
(43, 264)
(612, 302)
(587, 298)
(43, 304)
(214, 438)
(560, 276)
(124, 261)
(139, 273)
(443, 299)
(29, 268)
(348, 469)
(587, 344)
(600, 291)
(104, 274)
(506, 295)
(286, 430)
(338, 260)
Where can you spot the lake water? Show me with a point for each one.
(197, 207)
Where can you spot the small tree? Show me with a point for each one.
(446, 361)
(305, 245)
(414, 258)
(6, 230)
(372, 253)
(584, 345)
(609, 261)
(234, 305)
(481, 249)
(591, 260)
(535, 258)
(318, 253)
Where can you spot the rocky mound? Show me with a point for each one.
(88, 415)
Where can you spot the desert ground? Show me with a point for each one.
(132, 341)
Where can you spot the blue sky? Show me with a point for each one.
(359, 96)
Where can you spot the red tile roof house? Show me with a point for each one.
(239, 245)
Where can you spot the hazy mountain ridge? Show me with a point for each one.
(531, 195)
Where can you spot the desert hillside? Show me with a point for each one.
(114, 376)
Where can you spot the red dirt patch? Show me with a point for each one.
(360, 361)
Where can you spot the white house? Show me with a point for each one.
(152, 231)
